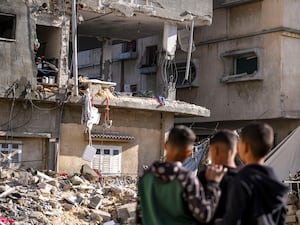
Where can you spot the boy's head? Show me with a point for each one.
(223, 147)
(179, 145)
(256, 140)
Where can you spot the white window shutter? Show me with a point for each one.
(108, 160)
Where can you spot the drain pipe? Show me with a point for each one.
(74, 44)
(188, 62)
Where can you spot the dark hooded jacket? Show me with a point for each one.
(256, 197)
(224, 185)
(172, 195)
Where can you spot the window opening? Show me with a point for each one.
(7, 26)
(246, 64)
(151, 56)
(10, 154)
(47, 53)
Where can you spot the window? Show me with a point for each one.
(151, 55)
(129, 46)
(149, 65)
(128, 51)
(7, 26)
(108, 160)
(242, 65)
(246, 64)
(10, 154)
(230, 3)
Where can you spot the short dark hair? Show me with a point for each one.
(260, 137)
(227, 137)
(181, 136)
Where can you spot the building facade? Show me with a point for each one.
(40, 118)
(248, 67)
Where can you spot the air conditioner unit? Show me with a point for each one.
(193, 80)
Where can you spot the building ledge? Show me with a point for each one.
(177, 107)
(24, 134)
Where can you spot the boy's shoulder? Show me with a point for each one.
(260, 179)
(166, 172)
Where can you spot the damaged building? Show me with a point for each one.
(248, 67)
(45, 77)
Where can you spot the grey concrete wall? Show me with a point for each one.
(290, 80)
(282, 127)
(16, 57)
(291, 14)
(242, 20)
(241, 100)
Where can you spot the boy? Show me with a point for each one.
(256, 196)
(222, 151)
(171, 195)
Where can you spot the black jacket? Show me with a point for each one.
(224, 186)
(256, 197)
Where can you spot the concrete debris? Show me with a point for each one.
(95, 202)
(293, 201)
(35, 197)
(89, 173)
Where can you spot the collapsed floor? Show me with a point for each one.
(33, 197)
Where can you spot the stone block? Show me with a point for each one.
(110, 223)
(291, 219)
(95, 201)
(105, 215)
(88, 173)
(292, 199)
(291, 210)
(126, 211)
(298, 215)
(76, 180)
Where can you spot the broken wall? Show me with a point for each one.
(58, 37)
(34, 126)
(16, 56)
(148, 129)
(164, 9)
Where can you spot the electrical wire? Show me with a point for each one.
(42, 109)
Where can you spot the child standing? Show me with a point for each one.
(171, 195)
(256, 196)
(222, 151)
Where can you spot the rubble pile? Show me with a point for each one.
(34, 197)
(293, 201)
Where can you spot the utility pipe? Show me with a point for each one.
(74, 44)
(188, 62)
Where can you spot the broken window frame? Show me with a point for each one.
(230, 65)
(13, 35)
(193, 75)
(100, 153)
(10, 149)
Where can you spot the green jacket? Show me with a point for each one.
(171, 195)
